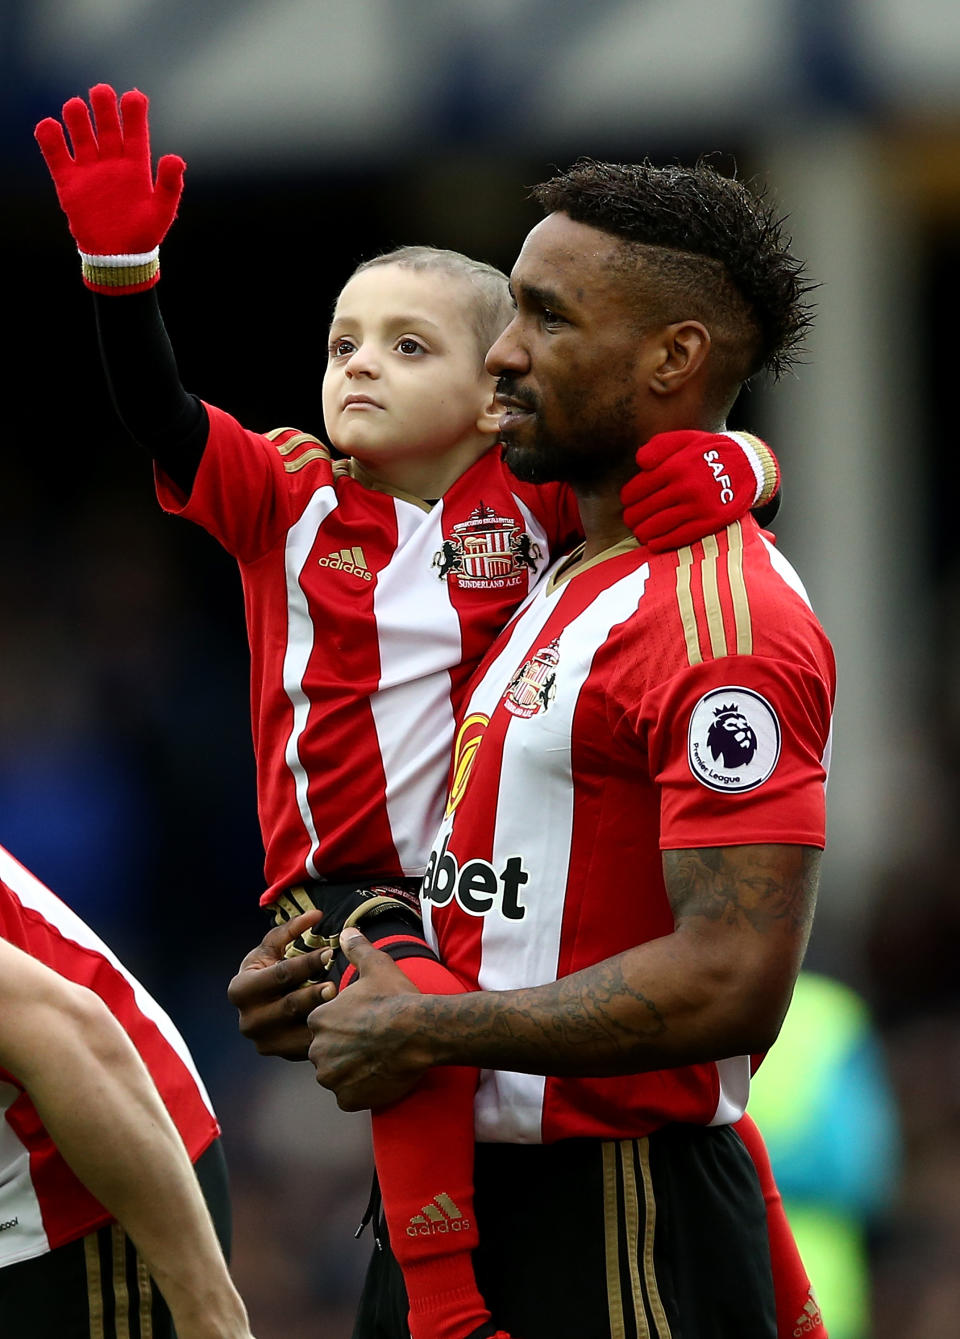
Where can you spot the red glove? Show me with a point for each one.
(693, 483)
(117, 214)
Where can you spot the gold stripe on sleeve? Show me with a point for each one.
(91, 1252)
(121, 1297)
(611, 1241)
(631, 1225)
(315, 453)
(685, 600)
(711, 596)
(738, 590)
(649, 1265)
(298, 439)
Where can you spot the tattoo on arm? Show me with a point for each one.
(756, 885)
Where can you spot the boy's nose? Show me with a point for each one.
(362, 362)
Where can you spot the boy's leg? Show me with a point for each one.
(798, 1311)
(423, 1145)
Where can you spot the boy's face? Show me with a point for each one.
(405, 380)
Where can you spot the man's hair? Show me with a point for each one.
(700, 246)
(492, 308)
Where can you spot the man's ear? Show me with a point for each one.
(681, 356)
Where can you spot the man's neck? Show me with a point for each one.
(603, 525)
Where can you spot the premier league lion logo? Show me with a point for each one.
(731, 737)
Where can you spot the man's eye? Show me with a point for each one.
(550, 317)
(341, 348)
(409, 345)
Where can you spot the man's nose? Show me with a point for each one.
(507, 353)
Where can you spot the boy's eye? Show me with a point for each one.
(340, 348)
(409, 345)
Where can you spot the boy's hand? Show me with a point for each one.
(692, 483)
(114, 207)
(274, 994)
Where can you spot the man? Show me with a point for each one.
(627, 869)
(91, 1151)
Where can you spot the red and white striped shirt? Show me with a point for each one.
(42, 1204)
(649, 702)
(366, 612)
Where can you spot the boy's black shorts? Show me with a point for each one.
(657, 1238)
(99, 1285)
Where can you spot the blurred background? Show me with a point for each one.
(318, 134)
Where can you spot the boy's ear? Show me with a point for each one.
(489, 420)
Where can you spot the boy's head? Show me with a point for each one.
(405, 391)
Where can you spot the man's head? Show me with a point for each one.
(645, 299)
(405, 383)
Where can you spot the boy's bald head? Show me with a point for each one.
(491, 308)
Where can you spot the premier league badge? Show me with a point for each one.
(733, 743)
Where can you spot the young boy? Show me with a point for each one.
(373, 585)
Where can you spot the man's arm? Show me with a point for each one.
(718, 985)
(99, 1105)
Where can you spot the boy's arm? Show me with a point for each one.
(118, 215)
(99, 1105)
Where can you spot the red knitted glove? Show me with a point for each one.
(693, 483)
(117, 214)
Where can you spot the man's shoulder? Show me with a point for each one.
(732, 593)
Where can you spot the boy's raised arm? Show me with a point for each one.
(118, 214)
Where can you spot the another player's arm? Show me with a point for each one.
(718, 985)
(99, 1105)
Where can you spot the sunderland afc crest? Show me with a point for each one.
(733, 742)
(534, 686)
(487, 550)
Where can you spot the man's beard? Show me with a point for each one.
(588, 456)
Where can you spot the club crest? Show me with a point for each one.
(534, 686)
(733, 743)
(487, 550)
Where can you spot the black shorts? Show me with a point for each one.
(656, 1238)
(99, 1285)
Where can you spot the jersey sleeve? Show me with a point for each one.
(249, 486)
(738, 748)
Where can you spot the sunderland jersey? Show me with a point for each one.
(42, 1204)
(648, 702)
(366, 614)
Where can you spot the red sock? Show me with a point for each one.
(796, 1301)
(423, 1149)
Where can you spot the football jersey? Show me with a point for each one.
(42, 1204)
(367, 612)
(648, 702)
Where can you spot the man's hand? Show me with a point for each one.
(692, 483)
(118, 214)
(365, 1044)
(274, 994)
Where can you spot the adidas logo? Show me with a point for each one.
(350, 561)
(809, 1318)
(441, 1215)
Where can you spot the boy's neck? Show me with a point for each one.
(426, 480)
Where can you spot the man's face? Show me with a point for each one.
(404, 377)
(570, 364)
